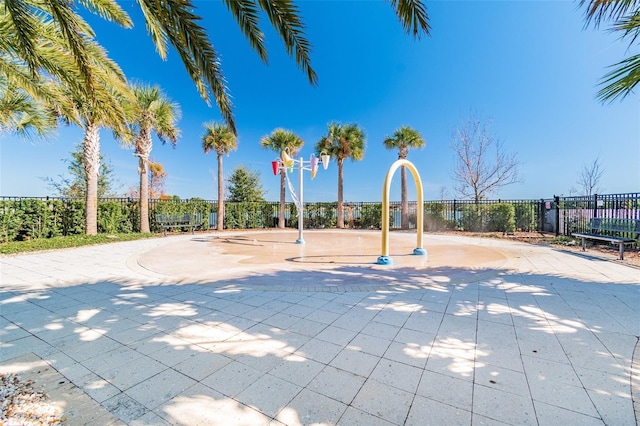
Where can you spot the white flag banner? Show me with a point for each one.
(293, 192)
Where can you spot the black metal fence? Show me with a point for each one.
(574, 213)
(38, 217)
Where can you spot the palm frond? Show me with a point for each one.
(629, 26)
(282, 140)
(23, 24)
(218, 137)
(73, 29)
(285, 18)
(625, 15)
(599, 11)
(23, 115)
(103, 103)
(109, 10)
(45, 90)
(621, 81)
(181, 27)
(247, 16)
(153, 111)
(413, 16)
(343, 141)
(154, 28)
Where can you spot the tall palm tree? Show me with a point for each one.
(61, 92)
(625, 75)
(221, 139)
(95, 112)
(281, 140)
(176, 22)
(403, 139)
(50, 39)
(152, 112)
(341, 142)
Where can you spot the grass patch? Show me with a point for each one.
(563, 240)
(39, 244)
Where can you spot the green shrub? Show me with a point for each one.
(434, 218)
(501, 217)
(10, 221)
(113, 218)
(371, 216)
(40, 218)
(73, 217)
(320, 215)
(247, 215)
(292, 217)
(525, 217)
(472, 217)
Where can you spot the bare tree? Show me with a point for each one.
(482, 165)
(444, 194)
(589, 178)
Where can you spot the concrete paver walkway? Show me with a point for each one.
(242, 328)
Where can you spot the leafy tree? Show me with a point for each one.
(403, 139)
(221, 139)
(245, 186)
(281, 140)
(75, 185)
(482, 165)
(152, 112)
(341, 142)
(157, 179)
(625, 14)
(177, 23)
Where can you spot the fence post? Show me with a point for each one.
(556, 201)
(595, 205)
(542, 211)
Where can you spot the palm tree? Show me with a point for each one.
(61, 92)
(403, 139)
(221, 139)
(281, 140)
(96, 112)
(176, 22)
(50, 39)
(625, 75)
(342, 142)
(152, 112)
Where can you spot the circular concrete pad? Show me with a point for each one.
(328, 258)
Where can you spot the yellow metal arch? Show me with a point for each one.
(384, 259)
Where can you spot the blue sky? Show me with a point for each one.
(530, 66)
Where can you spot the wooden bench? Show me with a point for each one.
(615, 231)
(167, 221)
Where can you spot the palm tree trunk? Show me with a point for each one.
(281, 215)
(144, 150)
(220, 224)
(404, 203)
(91, 162)
(340, 223)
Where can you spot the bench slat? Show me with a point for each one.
(604, 237)
(167, 221)
(611, 225)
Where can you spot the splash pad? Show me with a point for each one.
(334, 259)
